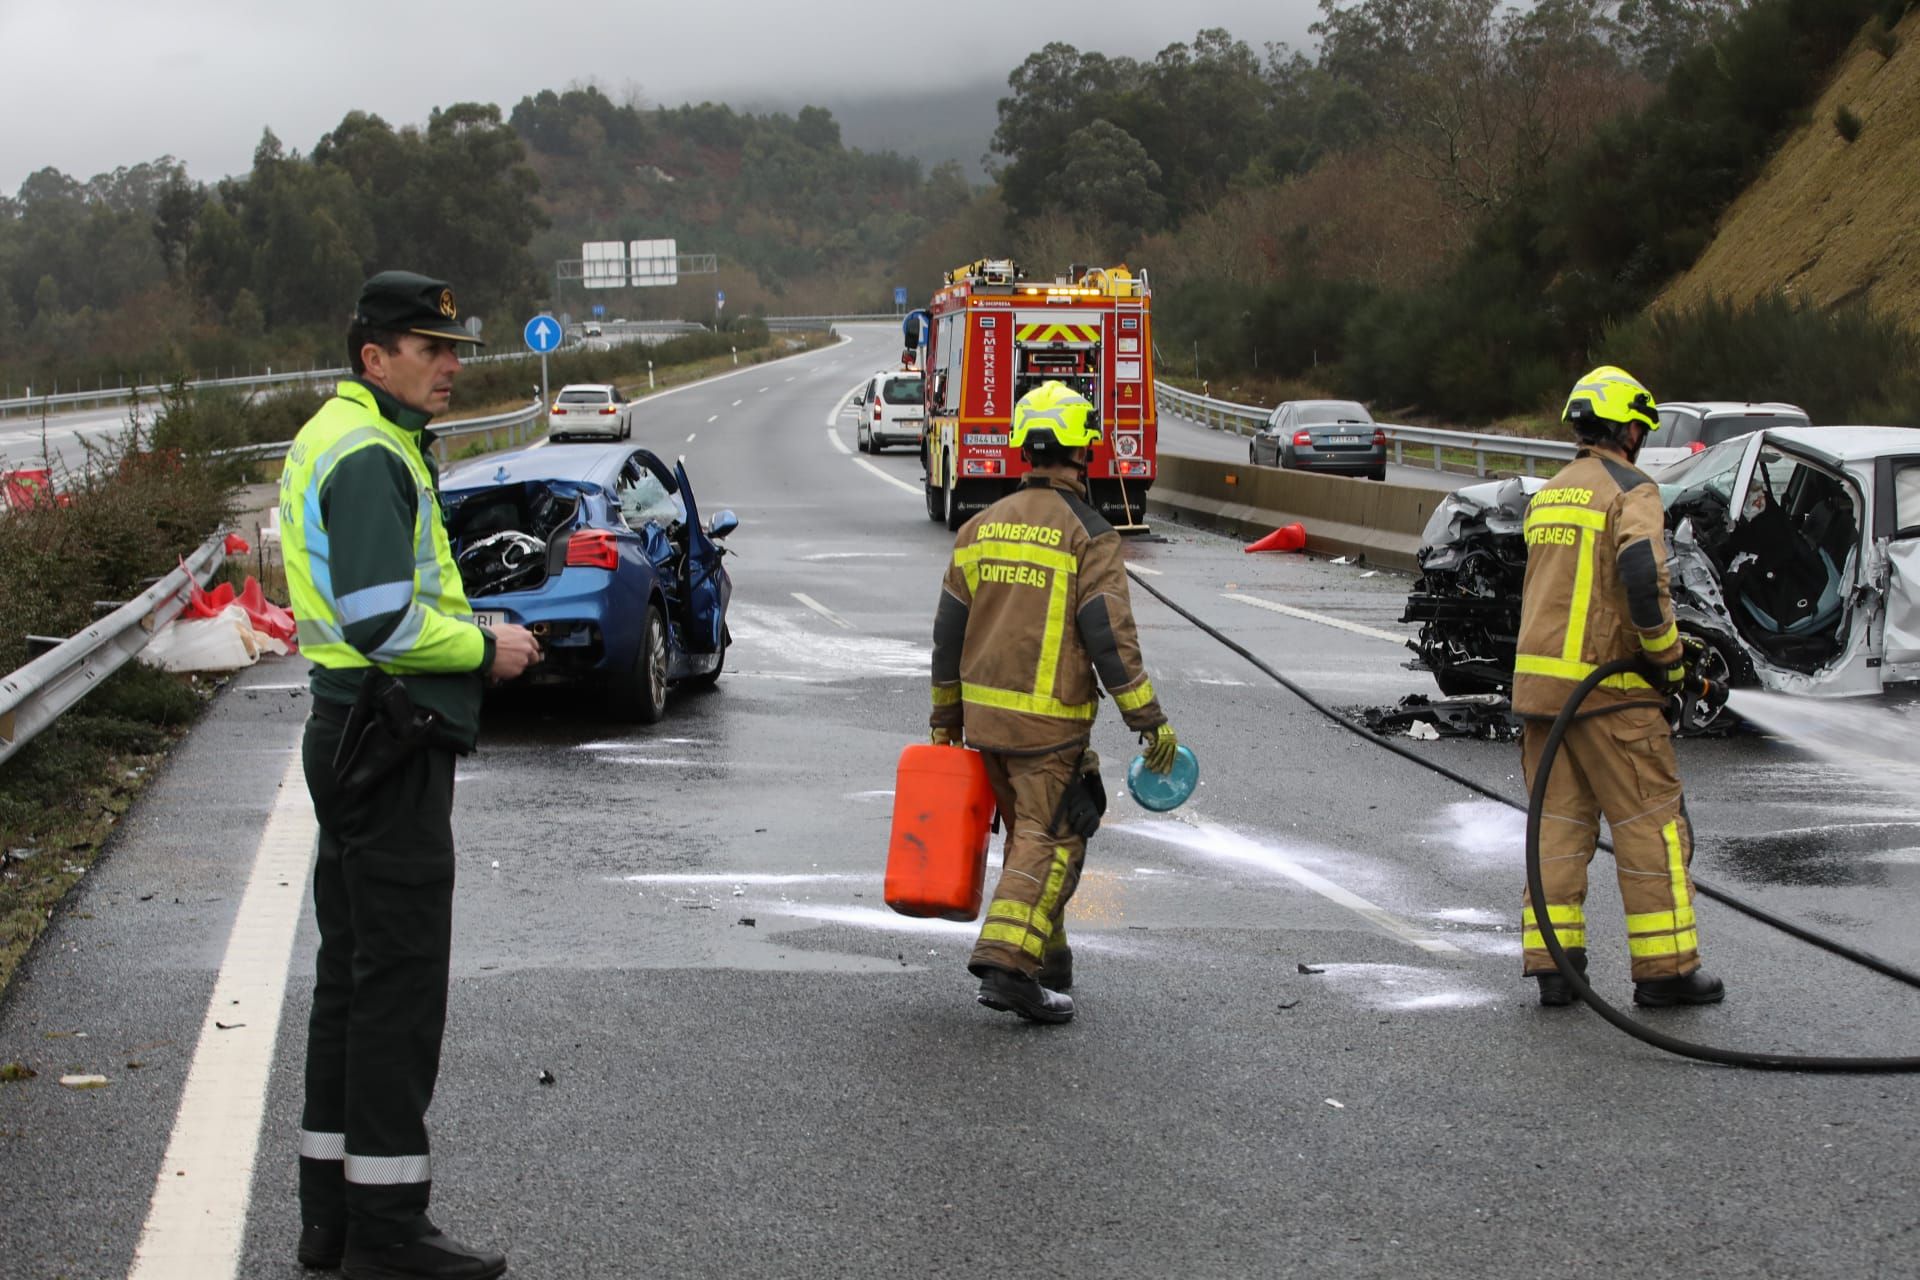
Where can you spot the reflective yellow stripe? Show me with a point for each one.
(1663, 944)
(1008, 909)
(1049, 664)
(1666, 639)
(1582, 517)
(1134, 699)
(1050, 894)
(1676, 865)
(1014, 936)
(981, 695)
(972, 571)
(1576, 639)
(1660, 921)
(1532, 940)
(1532, 664)
(946, 695)
(1026, 552)
(1558, 912)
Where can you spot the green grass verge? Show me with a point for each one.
(63, 793)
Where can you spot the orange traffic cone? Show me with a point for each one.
(1288, 537)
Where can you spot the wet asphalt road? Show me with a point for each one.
(815, 1092)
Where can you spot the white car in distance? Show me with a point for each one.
(590, 411)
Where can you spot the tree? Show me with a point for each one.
(244, 317)
(1110, 180)
(175, 209)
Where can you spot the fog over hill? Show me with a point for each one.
(931, 125)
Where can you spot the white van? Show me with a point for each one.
(890, 408)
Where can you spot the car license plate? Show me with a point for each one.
(1343, 439)
(490, 620)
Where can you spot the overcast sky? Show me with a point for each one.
(89, 85)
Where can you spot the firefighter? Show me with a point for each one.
(1596, 591)
(1034, 604)
(397, 669)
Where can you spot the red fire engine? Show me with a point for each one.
(990, 335)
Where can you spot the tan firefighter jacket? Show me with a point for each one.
(1034, 603)
(1596, 586)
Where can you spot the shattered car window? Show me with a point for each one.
(647, 500)
(1712, 471)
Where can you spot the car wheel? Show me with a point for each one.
(1381, 474)
(1717, 668)
(863, 438)
(953, 514)
(641, 693)
(626, 431)
(936, 508)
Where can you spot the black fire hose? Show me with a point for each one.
(1536, 801)
(1705, 1053)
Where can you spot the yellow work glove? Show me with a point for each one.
(944, 737)
(1160, 745)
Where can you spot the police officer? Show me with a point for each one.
(397, 669)
(1596, 591)
(1033, 605)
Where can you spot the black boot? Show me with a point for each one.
(321, 1247)
(1056, 971)
(1697, 987)
(436, 1256)
(1011, 992)
(1555, 990)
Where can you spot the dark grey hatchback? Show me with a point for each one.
(1335, 436)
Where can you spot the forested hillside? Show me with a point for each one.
(1447, 208)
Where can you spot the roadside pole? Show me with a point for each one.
(542, 334)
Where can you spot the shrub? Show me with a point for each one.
(1846, 365)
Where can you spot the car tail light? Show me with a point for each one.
(1379, 438)
(1696, 447)
(876, 411)
(1303, 437)
(593, 549)
(562, 412)
(609, 409)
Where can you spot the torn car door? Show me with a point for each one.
(706, 604)
(1897, 531)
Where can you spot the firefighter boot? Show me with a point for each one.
(1696, 987)
(1056, 968)
(1011, 992)
(321, 1246)
(1555, 990)
(434, 1256)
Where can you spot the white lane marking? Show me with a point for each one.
(745, 877)
(737, 373)
(198, 1214)
(1222, 842)
(1308, 615)
(737, 403)
(838, 443)
(789, 379)
(762, 391)
(1140, 568)
(822, 610)
(691, 435)
(273, 688)
(714, 418)
(895, 481)
(844, 555)
(840, 406)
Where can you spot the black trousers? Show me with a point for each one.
(383, 895)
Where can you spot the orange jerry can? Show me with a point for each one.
(942, 810)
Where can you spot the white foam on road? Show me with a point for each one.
(741, 877)
(814, 652)
(1400, 987)
(1216, 841)
(1484, 833)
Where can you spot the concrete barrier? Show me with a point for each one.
(1342, 516)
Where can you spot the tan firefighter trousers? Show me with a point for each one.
(1619, 764)
(1026, 917)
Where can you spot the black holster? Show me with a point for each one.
(383, 730)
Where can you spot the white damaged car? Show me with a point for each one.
(1793, 552)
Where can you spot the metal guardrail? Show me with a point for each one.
(1245, 419)
(824, 321)
(35, 695)
(521, 425)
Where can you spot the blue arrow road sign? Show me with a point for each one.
(719, 297)
(899, 296)
(542, 334)
(599, 310)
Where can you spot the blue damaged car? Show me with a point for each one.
(600, 552)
